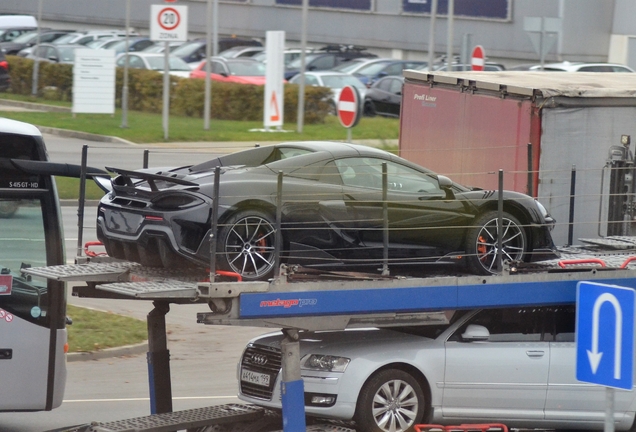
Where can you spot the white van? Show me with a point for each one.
(9, 21)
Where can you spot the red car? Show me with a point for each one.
(239, 70)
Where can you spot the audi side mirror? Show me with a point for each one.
(475, 333)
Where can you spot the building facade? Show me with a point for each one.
(590, 30)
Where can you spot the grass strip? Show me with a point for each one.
(94, 330)
(148, 128)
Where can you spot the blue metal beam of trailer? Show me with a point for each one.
(458, 295)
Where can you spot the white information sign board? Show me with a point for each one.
(274, 71)
(168, 23)
(94, 81)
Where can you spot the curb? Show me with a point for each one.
(62, 132)
(75, 202)
(126, 350)
(84, 135)
(34, 106)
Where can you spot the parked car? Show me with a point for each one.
(5, 78)
(136, 43)
(102, 43)
(331, 213)
(488, 67)
(10, 33)
(54, 53)
(156, 62)
(193, 52)
(289, 55)
(326, 58)
(576, 67)
(373, 71)
(160, 47)
(336, 81)
(241, 51)
(239, 70)
(353, 65)
(384, 97)
(511, 365)
(14, 20)
(29, 39)
(82, 38)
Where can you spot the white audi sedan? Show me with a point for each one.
(514, 366)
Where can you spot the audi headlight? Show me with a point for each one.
(325, 363)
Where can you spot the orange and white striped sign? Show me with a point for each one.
(274, 71)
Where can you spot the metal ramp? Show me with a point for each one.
(178, 420)
(613, 242)
(221, 418)
(127, 280)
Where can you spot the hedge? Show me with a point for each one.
(145, 93)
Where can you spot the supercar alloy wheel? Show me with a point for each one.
(248, 242)
(483, 242)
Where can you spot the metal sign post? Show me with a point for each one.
(301, 85)
(168, 23)
(36, 60)
(543, 33)
(124, 90)
(207, 102)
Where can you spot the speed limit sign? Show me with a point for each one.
(169, 23)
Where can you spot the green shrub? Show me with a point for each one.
(229, 101)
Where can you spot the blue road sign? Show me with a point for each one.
(605, 335)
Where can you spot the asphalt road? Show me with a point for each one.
(203, 358)
(121, 155)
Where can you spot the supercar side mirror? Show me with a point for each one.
(446, 185)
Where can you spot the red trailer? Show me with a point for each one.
(469, 125)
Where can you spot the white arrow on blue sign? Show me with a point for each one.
(605, 335)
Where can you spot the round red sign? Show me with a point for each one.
(477, 61)
(169, 18)
(348, 106)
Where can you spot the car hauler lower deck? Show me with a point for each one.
(297, 301)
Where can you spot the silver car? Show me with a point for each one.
(514, 366)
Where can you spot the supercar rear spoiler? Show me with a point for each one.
(127, 176)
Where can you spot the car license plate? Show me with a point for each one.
(255, 377)
(123, 222)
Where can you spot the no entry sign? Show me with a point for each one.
(349, 106)
(169, 23)
(478, 58)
